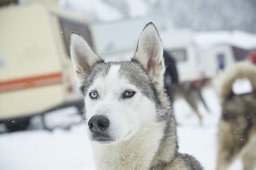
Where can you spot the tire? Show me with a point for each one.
(17, 125)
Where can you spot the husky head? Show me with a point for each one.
(120, 97)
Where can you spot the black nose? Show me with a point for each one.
(98, 123)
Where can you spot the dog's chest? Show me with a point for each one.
(129, 159)
(136, 155)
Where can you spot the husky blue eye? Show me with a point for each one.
(94, 95)
(128, 94)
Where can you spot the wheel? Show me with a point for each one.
(17, 125)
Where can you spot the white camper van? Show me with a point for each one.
(35, 68)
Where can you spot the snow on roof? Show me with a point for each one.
(244, 40)
(234, 38)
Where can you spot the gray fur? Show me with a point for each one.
(99, 69)
(145, 71)
(137, 76)
(166, 158)
(237, 126)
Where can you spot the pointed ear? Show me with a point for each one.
(149, 53)
(83, 57)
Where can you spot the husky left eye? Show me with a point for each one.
(94, 95)
(128, 94)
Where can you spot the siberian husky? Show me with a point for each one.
(130, 121)
(237, 127)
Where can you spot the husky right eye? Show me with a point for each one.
(94, 95)
(128, 94)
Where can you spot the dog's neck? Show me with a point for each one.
(136, 153)
(168, 146)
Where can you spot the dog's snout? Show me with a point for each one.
(98, 123)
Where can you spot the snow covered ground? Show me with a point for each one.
(70, 149)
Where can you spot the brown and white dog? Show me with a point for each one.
(237, 126)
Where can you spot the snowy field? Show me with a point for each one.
(70, 149)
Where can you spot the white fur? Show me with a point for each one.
(150, 54)
(82, 56)
(138, 137)
(132, 124)
(135, 153)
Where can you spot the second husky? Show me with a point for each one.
(130, 121)
(237, 127)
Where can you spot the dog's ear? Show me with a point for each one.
(83, 57)
(149, 53)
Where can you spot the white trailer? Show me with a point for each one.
(35, 70)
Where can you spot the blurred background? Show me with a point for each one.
(41, 120)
